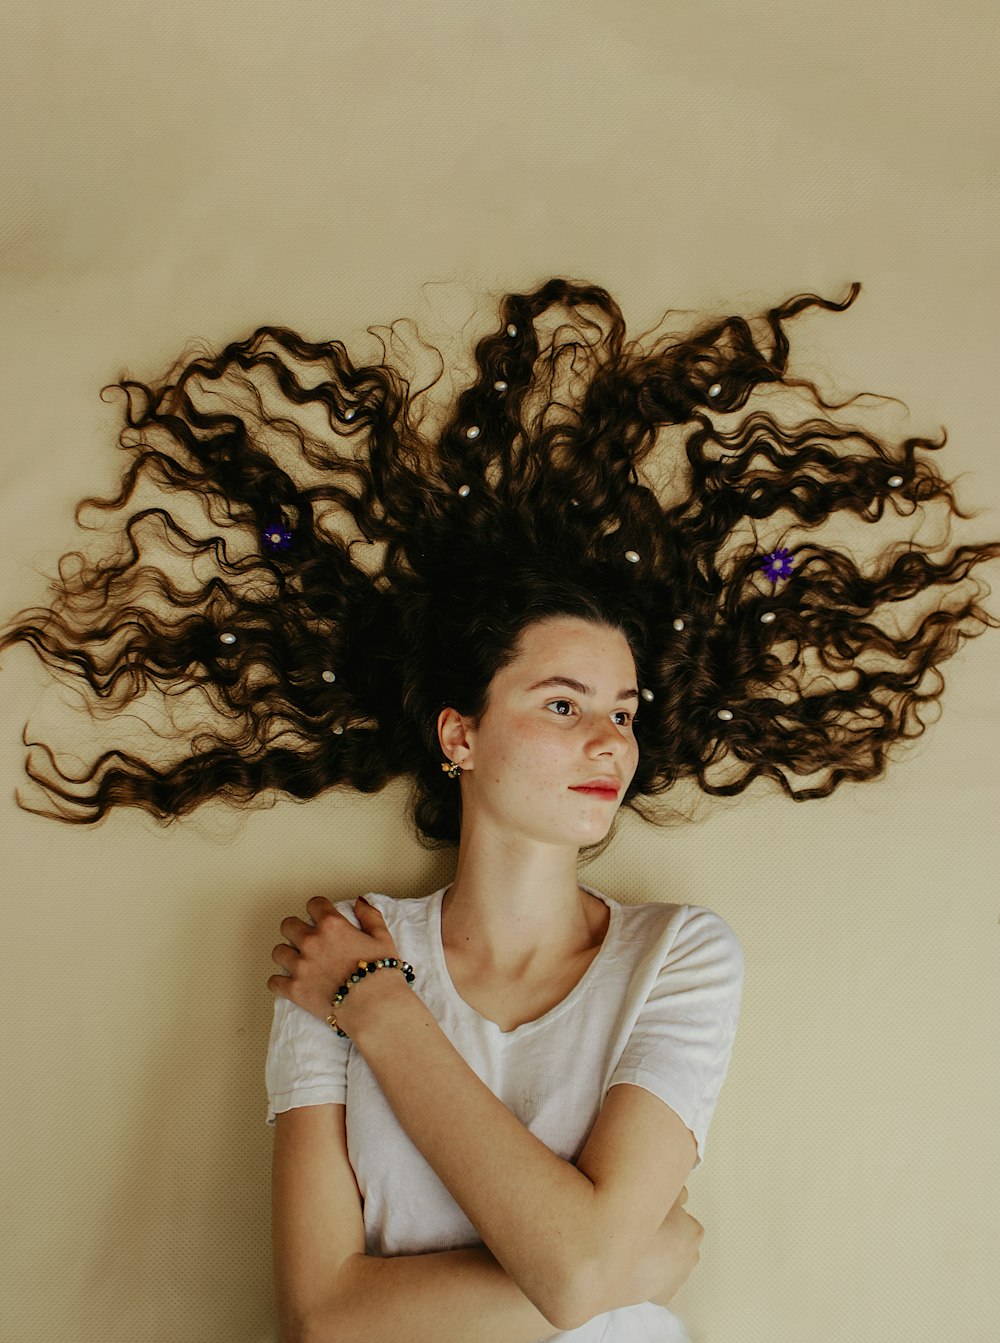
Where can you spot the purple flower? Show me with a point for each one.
(777, 564)
(277, 537)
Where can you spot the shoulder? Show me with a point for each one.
(695, 921)
(403, 917)
(689, 938)
(701, 925)
(395, 912)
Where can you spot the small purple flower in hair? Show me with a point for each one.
(777, 565)
(277, 537)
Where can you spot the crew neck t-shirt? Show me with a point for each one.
(658, 1007)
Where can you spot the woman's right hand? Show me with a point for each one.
(671, 1257)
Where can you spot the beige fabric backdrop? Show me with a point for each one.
(192, 170)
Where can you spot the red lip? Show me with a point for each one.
(608, 790)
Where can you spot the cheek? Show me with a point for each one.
(533, 750)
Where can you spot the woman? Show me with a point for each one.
(403, 591)
(547, 991)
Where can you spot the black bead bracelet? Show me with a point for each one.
(366, 968)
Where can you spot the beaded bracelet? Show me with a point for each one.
(366, 968)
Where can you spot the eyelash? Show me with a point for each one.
(631, 716)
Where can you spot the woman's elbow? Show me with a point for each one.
(309, 1327)
(573, 1301)
(588, 1291)
(328, 1329)
(292, 1331)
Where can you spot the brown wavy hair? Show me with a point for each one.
(388, 570)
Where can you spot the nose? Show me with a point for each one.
(606, 736)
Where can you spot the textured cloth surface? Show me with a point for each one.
(658, 1007)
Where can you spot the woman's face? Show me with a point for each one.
(537, 743)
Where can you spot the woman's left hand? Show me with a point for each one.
(324, 953)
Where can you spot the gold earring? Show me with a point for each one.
(451, 769)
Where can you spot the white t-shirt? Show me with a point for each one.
(658, 1006)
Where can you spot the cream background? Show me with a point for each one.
(192, 170)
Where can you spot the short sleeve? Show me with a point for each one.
(306, 1060)
(682, 1041)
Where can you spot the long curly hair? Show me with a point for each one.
(388, 569)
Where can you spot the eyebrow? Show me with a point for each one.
(580, 687)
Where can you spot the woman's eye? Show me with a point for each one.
(627, 714)
(560, 701)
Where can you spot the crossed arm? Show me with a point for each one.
(559, 1240)
(328, 1290)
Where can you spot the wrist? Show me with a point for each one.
(367, 996)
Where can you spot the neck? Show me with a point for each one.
(510, 908)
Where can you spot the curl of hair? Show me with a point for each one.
(413, 590)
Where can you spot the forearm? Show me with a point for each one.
(534, 1211)
(453, 1296)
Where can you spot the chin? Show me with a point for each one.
(593, 834)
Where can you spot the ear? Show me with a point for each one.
(454, 734)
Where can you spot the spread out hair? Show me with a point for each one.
(354, 570)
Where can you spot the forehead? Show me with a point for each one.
(567, 644)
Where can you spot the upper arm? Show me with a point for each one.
(316, 1216)
(638, 1157)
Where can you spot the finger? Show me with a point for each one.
(293, 928)
(323, 905)
(283, 954)
(278, 984)
(362, 907)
